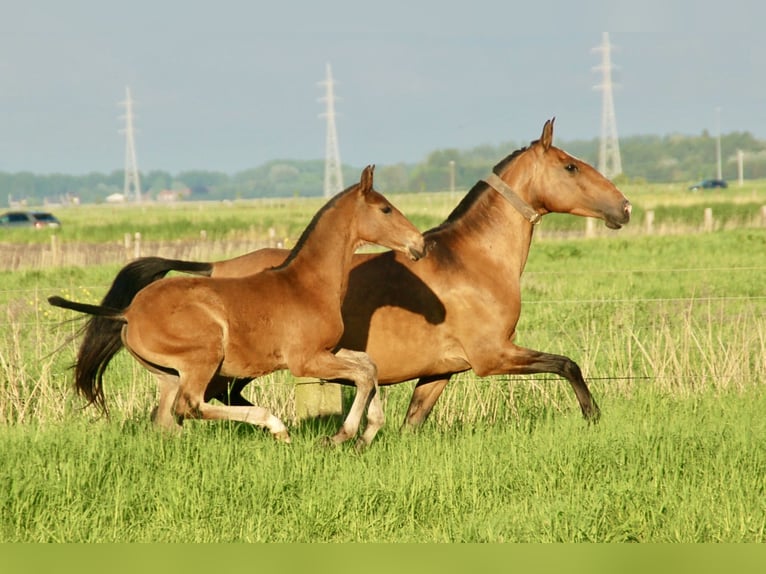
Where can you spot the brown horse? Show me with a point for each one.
(188, 330)
(457, 309)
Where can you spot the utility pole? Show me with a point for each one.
(609, 161)
(740, 166)
(719, 171)
(333, 178)
(132, 185)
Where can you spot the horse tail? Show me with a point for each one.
(139, 273)
(102, 332)
(102, 341)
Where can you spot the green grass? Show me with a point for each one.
(670, 331)
(675, 208)
(655, 470)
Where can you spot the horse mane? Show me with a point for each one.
(477, 191)
(310, 227)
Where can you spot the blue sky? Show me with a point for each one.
(231, 84)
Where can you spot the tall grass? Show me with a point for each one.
(655, 471)
(670, 332)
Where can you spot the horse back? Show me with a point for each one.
(250, 263)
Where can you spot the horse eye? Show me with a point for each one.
(386, 209)
(571, 168)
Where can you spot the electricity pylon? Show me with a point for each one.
(609, 161)
(333, 178)
(132, 187)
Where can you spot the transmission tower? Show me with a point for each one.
(132, 187)
(333, 178)
(609, 162)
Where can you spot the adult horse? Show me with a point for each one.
(457, 309)
(188, 330)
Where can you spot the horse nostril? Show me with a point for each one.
(628, 207)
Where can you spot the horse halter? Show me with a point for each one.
(529, 213)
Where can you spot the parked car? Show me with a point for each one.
(708, 184)
(34, 219)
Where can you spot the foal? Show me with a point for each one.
(188, 330)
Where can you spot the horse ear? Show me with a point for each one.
(547, 138)
(365, 182)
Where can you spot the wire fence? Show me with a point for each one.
(58, 253)
(648, 349)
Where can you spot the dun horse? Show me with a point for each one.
(188, 330)
(454, 311)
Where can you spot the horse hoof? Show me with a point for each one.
(592, 415)
(360, 445)
(282, 436)
(327, 442)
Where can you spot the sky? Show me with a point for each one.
(232, 84)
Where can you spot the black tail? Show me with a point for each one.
(108, 313)
(102, 332)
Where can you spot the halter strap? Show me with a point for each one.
(529, 213)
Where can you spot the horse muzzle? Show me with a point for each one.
(616, 221)
(416, 253)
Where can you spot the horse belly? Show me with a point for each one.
(405, 346)
(249, 353)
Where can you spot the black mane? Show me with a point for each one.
(477, 191)
(310, 227)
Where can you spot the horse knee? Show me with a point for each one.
(369, 371)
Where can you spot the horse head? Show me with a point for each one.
(562, 183)
(381, 223)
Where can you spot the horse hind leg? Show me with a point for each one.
(162, 415)
(521, 361)
(255, 415)
(190, 403)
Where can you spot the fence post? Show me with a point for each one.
(763, 215)
(54, 250)
(137, 245)
(318, 400)
(708, 224)
(650, 221)
(590, 228)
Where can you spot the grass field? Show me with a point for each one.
(670, 330)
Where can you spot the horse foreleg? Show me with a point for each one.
(424, 397)
(516, 360)
(353, 366)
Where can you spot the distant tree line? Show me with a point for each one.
(672, 158)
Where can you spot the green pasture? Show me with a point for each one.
(676, 209)
(669, 329)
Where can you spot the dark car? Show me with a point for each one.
(708, 184)
(34, 219)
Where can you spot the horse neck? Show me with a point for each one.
(323, 258)
(521, 179)
(488, 227)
